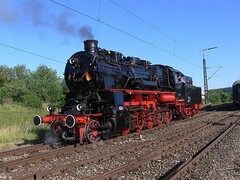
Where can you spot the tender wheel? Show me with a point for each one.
(183, 115)
(126, 131)
(91, 133)
(150, 124)
(139, 127)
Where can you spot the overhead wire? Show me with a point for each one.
(164, 33)
(32, 53)
(123, 32)
(157, 29)
(117, 29)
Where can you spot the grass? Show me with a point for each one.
(16, 125)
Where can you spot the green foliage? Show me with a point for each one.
(31, 88)
(6, 76)
(14, 84)
(45, 83)
(219, 97)
(3, 94)
(32, 100)
(17, 89)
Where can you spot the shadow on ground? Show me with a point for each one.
(221, 107)
(41, 137)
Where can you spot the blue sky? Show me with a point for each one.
(167, 32)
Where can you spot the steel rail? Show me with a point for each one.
(24, 150)
(44, 173)
(64, 150)
(55, 153)
(115, 172)
(179, 172)
(149, 157)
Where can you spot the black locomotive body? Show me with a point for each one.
(110, 94)
(236, 93)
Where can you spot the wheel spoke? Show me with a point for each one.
(92, 135)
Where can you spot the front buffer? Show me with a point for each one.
(87, 128)
(70, 128)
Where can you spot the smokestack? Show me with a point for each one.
(91, 46)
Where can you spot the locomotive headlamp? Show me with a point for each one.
(51, 109)
(37, 120)
(70, 121)
(73, 61)
(81, 107)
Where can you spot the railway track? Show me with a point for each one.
(115, 154)
(25, 152)
(188, 164)
(156, 155)
(61, 157)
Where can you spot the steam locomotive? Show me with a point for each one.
(110, 94)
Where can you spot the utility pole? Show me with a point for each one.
(205, 74)
(205, 79)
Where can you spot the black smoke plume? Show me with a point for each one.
(65, 25)
(39, 15)
(7, 13)
(86, 32)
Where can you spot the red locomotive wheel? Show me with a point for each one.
(167, 117)
(158, 119)
(149, 124)
(149, 120)
(126, 131)
(138, 128)
(92, 135)
(187, 112)
(195, 111)
(167, 120)
(183, 115)
(159, 122)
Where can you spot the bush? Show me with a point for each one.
(32, 100)
(219, 97)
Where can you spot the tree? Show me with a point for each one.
(225, 97)
(17, 86)
(217, 96)
(6, 76)
(31, 88)
(32, 100)
(45, 84)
